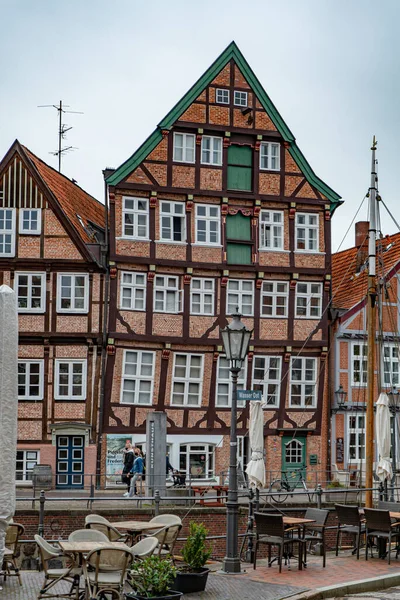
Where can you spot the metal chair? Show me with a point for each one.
(105, 571)
(53, 576)
(87, 535)
(379, 524)
(314, 533)
(13, 533)
(270, 530)
(349, 521)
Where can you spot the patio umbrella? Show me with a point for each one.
(256, 468)
(8, 407)
(382, 424)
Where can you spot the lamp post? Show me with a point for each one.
(236, 339)
(340, 398)
(394, 400)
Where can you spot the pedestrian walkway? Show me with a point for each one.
(266, 583)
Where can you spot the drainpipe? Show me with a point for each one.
(105, 254)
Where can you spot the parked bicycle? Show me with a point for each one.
(284, 484)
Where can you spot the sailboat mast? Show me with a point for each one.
(371, 328)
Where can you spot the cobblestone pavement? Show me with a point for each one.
(219, 587)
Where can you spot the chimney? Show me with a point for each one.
(362, 228)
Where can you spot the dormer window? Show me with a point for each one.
(222, 96)
(240, 98)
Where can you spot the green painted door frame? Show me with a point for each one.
(293, 455)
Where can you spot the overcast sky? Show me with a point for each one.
(330, 66)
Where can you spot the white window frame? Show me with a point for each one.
(303, 382)
(139, 378)
(26, 395)
(70, 397)
(391, 366)
(29, 275)
(267, 157)
(30, 231)
(358, 431)
(310, 297)
(10, 232)
(187, 380)
(231, 305)
(222, 92)
(362, 358)
(203, 292)
(308, 228)
(266, 384)
(133, 288)
(166, 289)
(225, 383)
(214, 140)
(208, 219)
(275, 229)
(135, 212)
(194, 448)
(26, 460)
(243, 98)
(74, 310)
(185, 149)
(171, 216)
(275, 295)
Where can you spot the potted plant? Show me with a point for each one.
(336, 497)
(153, 578)
(192, 576)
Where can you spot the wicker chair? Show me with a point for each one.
(349, 521)
(314, 533)
(106, 570)
(167, 520)
(379, 524)
(145, 547)
(53, 576)
(13, 533)
(87, 535)
(99, 523)
(270, 530)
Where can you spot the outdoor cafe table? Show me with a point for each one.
(136, 528)
(85, 547)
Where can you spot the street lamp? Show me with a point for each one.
(394, 402)
(236, 339)
(340, 398)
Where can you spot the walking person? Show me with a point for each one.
(136, 472)
(128, 458)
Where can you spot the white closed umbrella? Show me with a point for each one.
(8, 407)
(383, 437)
(255, 468)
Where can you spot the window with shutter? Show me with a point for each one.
(238, 232)
(240, 167)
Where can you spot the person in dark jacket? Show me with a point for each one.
(136, 472)
(128, 458)
(168, 465)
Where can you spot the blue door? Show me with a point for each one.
(70, 461)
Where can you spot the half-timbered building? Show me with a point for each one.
(219, 209)
(349, 359)
(51, 237)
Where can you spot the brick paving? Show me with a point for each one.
(262, 584)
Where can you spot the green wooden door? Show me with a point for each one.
(293, 456)
(238, 227)
(238, 254)
(240, 163)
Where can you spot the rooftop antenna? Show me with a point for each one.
(62, 128)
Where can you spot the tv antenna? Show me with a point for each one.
(62, 128)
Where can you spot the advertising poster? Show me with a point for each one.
(114, 457)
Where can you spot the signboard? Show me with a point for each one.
(114, 456)
(249, 395)
(339, 450)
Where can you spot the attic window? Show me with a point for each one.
(222, 96)
(80, 220)
(240, 98)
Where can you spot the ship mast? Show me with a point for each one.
(371, 329)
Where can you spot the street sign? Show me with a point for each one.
(249, 395)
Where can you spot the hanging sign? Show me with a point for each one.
(249, 395)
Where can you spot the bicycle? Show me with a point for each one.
(280, 486)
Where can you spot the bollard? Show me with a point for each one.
(42, 500)
(156, 503)
(319, 495)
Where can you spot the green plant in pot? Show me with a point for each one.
(192, 575)
(153, 578)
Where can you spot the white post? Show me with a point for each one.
(8, 407)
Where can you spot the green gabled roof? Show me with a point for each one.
(231, 52)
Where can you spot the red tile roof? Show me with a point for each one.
(73, 200)
(349, 287)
